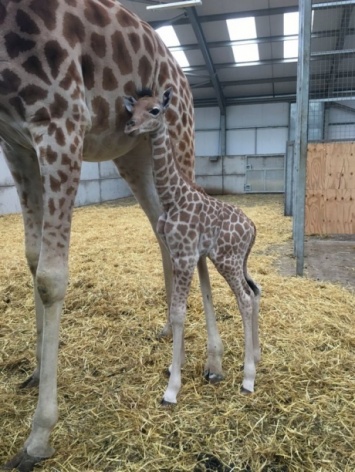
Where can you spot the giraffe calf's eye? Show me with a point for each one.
(154, 111)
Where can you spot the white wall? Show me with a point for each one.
(250, 130)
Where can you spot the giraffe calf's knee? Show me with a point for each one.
(51, 286)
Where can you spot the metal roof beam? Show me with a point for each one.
(315, 78)
(260, 40)
(230, 15)
(194, 20)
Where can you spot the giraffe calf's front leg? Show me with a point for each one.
(174, 384)
(183, 269)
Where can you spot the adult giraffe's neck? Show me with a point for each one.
(167, 175)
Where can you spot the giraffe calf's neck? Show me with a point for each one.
(194, 226)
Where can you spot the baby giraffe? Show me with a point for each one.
(194, 225)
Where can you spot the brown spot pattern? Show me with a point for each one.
(145, 70)
(148, 46)
(73, 29)
(10, 83)
(96, 14)
(41, 115)
(98, 44)
(2, 13)
(25, 23)
(54, 183)
(163, 74)
(46, 10)
(55, 56)
(32, 94)
(88, 70)
(17, 104)
(51, 206)
(50, 155)
(33, 65)
(15, 44)
(109, 81)
(101, 109)
(120, 54)
(58, 107)
(69, 126)
(125, 19)
(59, 137)
(135, 41)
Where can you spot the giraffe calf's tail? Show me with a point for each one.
(255, 287)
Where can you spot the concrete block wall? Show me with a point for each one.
(259, 130)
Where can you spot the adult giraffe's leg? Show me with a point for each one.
(60, 171)
(24, 167)
(213, 367)
(136, 168)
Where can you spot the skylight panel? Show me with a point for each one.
(291, 27)
(243, 28)
(168, 35)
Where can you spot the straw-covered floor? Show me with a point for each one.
(300, 418)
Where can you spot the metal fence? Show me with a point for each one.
(325, 93)
(332, 72)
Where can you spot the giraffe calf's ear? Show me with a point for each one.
(167, 96)
(129, 103)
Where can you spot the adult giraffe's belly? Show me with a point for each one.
(108, 145)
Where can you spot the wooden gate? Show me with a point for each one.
(330, 188)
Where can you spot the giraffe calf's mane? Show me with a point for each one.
(146, 92)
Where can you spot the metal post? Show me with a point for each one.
(223, 145)
(288, 195)
(304, 49)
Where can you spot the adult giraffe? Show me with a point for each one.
(65, 66)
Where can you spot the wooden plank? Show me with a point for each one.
(315, 219)
(316, 168)
(339, 211)
(340, 166)
(330, 188)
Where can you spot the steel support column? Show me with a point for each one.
(301, 141)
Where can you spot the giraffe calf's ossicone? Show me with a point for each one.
(194, 226)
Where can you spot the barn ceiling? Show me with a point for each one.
(215, 76)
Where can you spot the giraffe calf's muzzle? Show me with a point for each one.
(130, 128)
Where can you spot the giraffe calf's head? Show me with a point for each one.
(147, 113)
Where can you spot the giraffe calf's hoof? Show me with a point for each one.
(245, 391)
(167, 404)
(213, 378)
(166, 372)
(22, 462)
(31, 382)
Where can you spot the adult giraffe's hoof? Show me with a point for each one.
(31, 382)
(213, 378)
(22, 462)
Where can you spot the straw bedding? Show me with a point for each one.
(300, 418)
